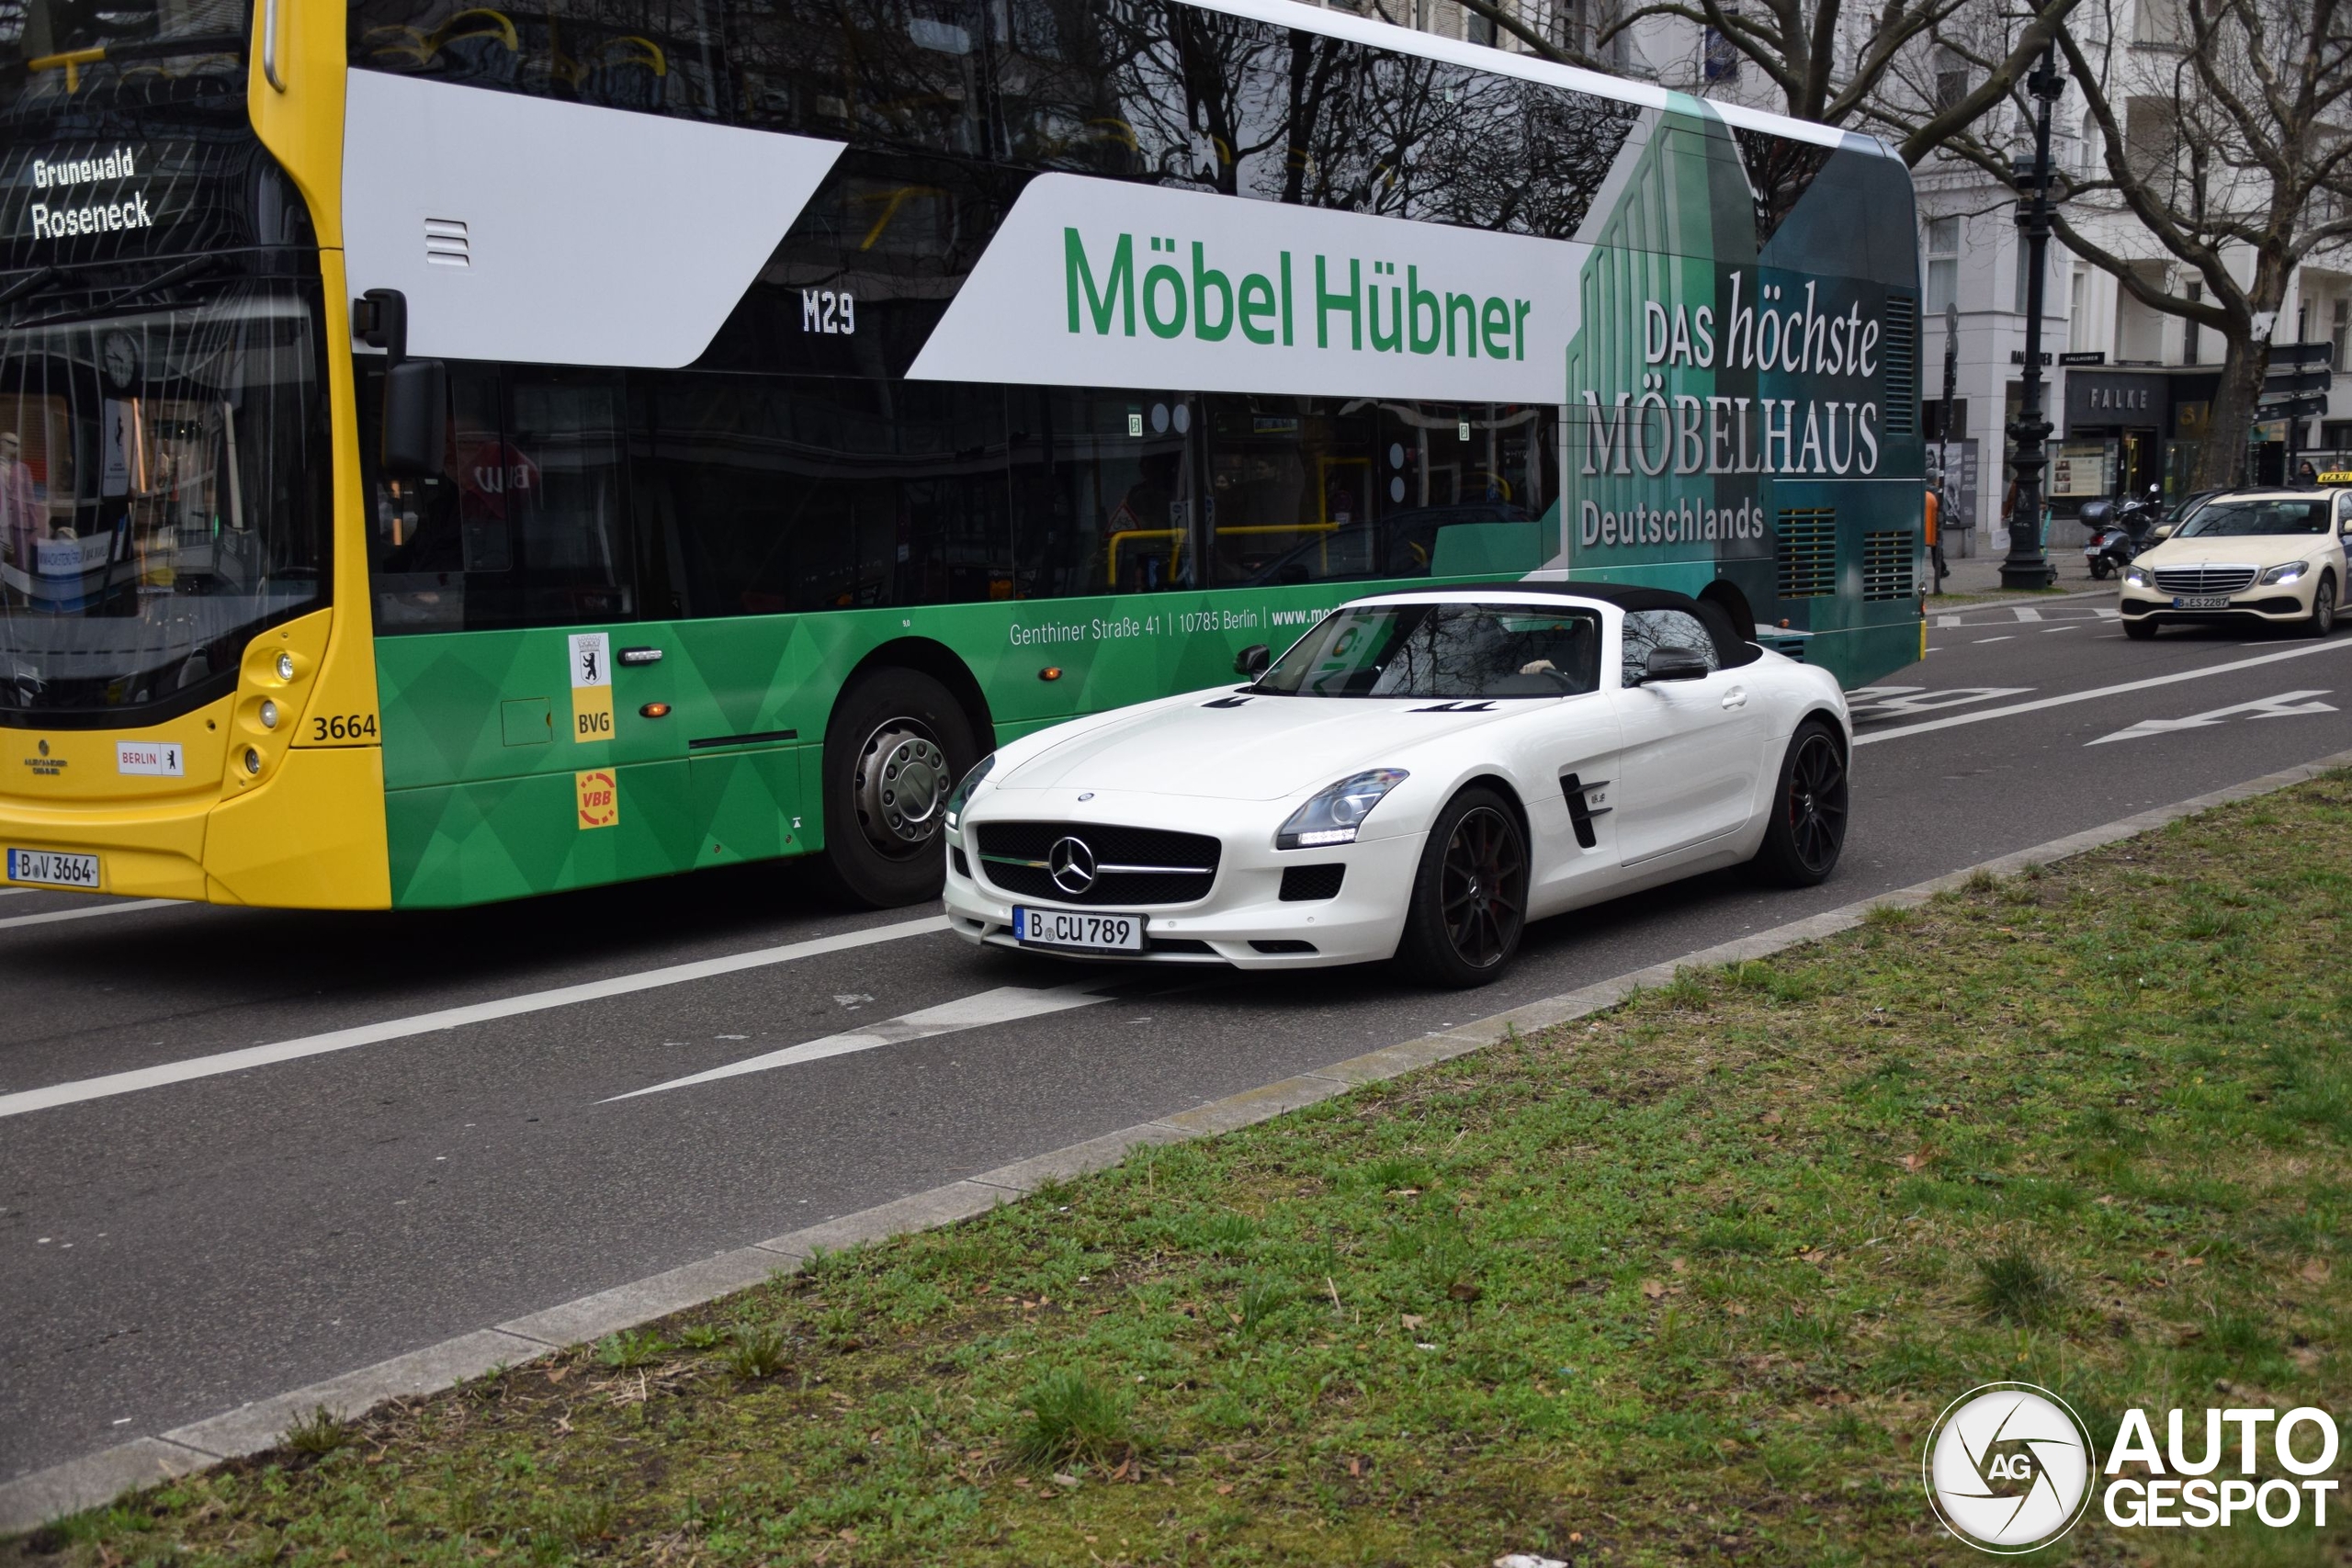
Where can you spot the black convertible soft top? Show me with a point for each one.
(1732, 650)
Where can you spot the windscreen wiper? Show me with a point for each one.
(31, 283)
(194, 267)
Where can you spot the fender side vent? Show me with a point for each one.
(1581, 813)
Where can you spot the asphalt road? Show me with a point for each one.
(170, 1250)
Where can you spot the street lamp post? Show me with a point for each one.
(2026, 567)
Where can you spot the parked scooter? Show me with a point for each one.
(2119, 531)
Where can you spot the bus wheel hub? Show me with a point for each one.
(902, 784)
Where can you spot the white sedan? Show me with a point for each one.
(1417, 777)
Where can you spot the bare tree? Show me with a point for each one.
(2224, 130)
(1829, 65)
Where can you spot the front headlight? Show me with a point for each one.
(2289, 572)
(1333, 816)
(2137, 576)
(964, 791)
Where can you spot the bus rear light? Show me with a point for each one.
(253, 761)
(268, 713)
(286, 667)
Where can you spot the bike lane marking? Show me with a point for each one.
(2150, 683)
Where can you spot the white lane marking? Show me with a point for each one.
(1007, 1004)
(252, 1057)
(2011, 637)
(2076, 627)
(1942, 621)
(1902, 701)
(51, 915)
(2025, 613)
(2286, 705)
(2107, 613)
(12, 892)
(2098, 691)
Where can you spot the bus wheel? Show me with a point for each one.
(897, 745)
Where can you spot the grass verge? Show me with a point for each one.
(1684, 1282)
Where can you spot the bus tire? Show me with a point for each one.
(894, 748)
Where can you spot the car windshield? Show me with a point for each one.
(2242, 519)
(1442, 650)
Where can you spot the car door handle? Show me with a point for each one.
(1736, 699)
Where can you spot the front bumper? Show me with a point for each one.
(1244, 921)
(2276, 602)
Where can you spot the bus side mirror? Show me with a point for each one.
(416, 418)
(416, 391)
(1252, 660)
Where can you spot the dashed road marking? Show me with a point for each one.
(2025, 612)
(1007, 1004)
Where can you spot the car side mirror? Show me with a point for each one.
(1252, 660)
(1674, 664)
(2160, 533)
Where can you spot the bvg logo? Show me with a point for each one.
(2009, 1468)
(600, 799)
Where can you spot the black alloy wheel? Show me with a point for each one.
(1469, 899)
(1807, 830)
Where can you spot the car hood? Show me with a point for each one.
(1259, 749)
(2249, 549)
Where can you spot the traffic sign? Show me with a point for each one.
(2291, 408)
(2284, 356)
(2283, 382)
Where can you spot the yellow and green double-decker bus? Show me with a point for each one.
(449, 453)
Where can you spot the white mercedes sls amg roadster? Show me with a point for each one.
(1417, 777)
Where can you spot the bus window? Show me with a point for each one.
(1102, 491)
(526, 525)
(764, 494)
(1313, 489)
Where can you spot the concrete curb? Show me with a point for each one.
(32, 1500)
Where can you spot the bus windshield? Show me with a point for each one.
(162, 491)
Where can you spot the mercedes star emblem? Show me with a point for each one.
(1071, 865)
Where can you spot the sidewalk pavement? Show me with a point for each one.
(1982, 573)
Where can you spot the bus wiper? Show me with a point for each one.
(31, 283)
(121, 297)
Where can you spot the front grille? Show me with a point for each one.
(1161, 867)
(2204, 579)
(963, 866)
(1887, 565)
(1307, 884)
(1804, 554)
